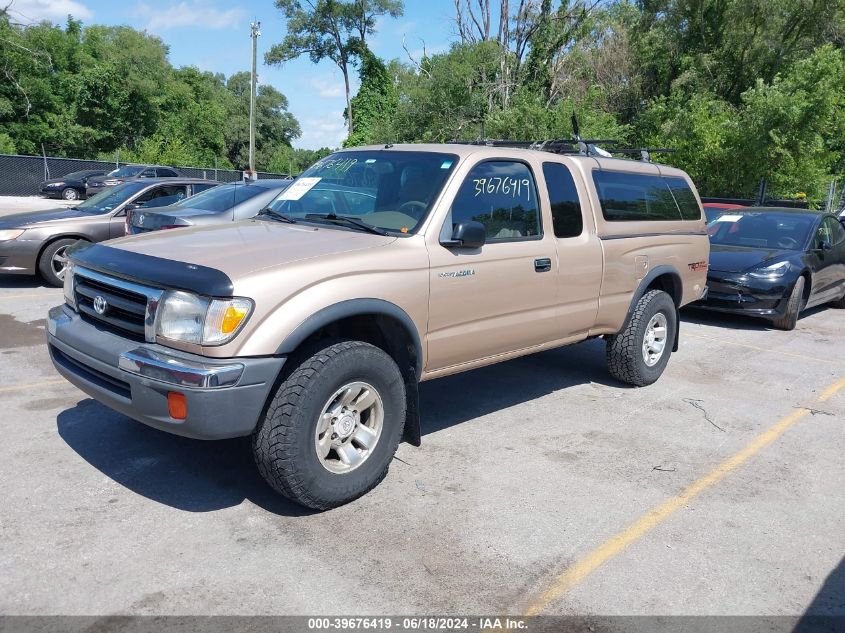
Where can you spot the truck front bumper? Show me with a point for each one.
(224, 397)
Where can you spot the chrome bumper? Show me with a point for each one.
(177, 371)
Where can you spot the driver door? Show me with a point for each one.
(501, 297)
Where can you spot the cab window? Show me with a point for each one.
(631, 197)
(567, 220)
(831, 232)
(502, 196)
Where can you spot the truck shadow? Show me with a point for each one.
(202, 476)
(827, 610)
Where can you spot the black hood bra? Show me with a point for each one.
(159, 272)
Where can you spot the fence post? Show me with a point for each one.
(215, 168)
(117, 159)
(46, 168)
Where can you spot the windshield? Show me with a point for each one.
(78, 175)
(126, 172)
(108, 200)
(386, 189)
(788, 231)
(220, 198)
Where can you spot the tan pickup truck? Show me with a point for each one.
(310, 326)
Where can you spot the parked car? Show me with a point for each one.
(224, 203)
(72, 186)
(36, 242)
(712, 210)
(127, 173)
(310, 326)
(775, 263)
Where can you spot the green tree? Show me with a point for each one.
(374, 105)
(330, 29)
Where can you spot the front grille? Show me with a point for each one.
(126, 309)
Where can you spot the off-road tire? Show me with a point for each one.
(283, 441)
(70, 193)
(793, 308)
(624, 350)
(45, 261)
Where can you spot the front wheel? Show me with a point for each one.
(53, 261)
(793, 307)
(639, 353)
(332, 427)
(69, 193)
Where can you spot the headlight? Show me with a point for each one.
(190, 318)
(774, 271)
(112, 182)
(13, 234)
(69, 288)
(56, 184)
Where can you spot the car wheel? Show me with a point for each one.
(793, 307)
(69, 193)
(332, 427)
(53, 261)
(639, 353)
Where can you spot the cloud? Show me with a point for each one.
(326, 131)
(196, 14)
(28, 11)
(329, 88)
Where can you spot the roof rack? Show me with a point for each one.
(577, 146)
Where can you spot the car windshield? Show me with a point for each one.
(77, 175)
(220, 198)
(126, 172)
(761, 230)
(108, 200)
(391, 190)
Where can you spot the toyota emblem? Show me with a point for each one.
(100, 305)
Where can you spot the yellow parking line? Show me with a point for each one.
(642, 526)
(34, 385)
(766, 349)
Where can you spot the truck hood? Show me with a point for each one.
(41, 218)
(240, 248)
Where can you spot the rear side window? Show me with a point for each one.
(502, 196)
(684, 197)
(629, 197)
(566, 206)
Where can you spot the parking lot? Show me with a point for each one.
(542, 486)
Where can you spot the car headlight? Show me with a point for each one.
(190, 318)
(113, 181)
(774, 271)
(12, 234)
(56, 184)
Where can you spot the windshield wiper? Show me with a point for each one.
(278, 215)
(344, 219)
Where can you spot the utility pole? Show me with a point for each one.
(254, 34)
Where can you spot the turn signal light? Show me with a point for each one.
(176, 405)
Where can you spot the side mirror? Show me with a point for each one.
(468, 235)
(824, 246)
(133, 205)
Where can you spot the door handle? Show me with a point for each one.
(543, 265)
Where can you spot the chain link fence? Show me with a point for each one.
(22, 175)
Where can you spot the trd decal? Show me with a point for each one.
(698, 266)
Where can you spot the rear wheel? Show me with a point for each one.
(53, 261)
(69, 193)
(793, 307)
(639, 354)
(331, 430)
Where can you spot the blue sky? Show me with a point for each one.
(214, 35)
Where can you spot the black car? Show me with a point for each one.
(129, 172)
(774, 262)
(71, 186)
